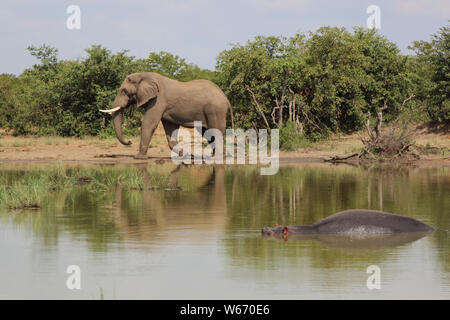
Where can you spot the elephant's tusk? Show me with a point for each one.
(110, 111)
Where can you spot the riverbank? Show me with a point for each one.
(434, 144)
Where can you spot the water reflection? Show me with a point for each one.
(369, 242)
(211, 216)
(147, 214)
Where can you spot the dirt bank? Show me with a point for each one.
(96, 150)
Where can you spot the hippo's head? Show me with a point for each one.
(276, 231)
(280, 231)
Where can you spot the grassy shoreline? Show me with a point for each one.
(27, 189)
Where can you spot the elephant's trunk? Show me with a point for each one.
(117, 124)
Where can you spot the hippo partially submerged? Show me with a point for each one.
(357, 222)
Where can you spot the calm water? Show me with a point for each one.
(203, 241)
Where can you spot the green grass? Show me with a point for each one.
(20, 196)
(28, 189)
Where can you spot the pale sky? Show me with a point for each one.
(197, 30)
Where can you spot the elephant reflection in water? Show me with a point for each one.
(160, 210)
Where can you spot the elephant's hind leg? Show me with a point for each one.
(169, 128)
(215, 121)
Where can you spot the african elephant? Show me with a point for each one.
(172, 102)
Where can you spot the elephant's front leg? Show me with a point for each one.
(152, 116)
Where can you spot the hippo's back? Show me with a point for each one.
(360, 221)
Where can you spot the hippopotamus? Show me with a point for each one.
(355, 222)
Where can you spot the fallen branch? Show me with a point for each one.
(393, 143)
(338, 158)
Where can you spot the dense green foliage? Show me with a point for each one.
(291, 139)
(432, 68)
(336, 78)
(308, 85)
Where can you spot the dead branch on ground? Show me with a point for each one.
(398, 142)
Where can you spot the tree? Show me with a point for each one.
(433, 70)
(256, 77)
(15, 104)
(326, 81)
(47, 55)
(173, 66)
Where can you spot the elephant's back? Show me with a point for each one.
(361, 221)
(200, 83)
(210, 91)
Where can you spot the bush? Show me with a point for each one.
(291, 138)
(16, 104)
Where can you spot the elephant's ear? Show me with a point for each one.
(147, 90)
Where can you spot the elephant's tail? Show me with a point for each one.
(231, 115)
